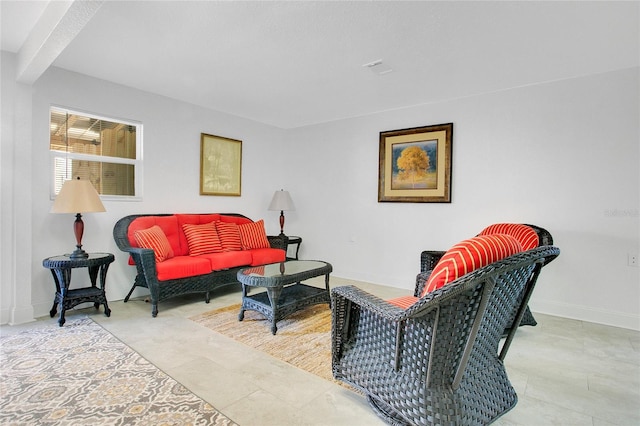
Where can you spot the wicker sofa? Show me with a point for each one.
(185, 270)
(439, 360)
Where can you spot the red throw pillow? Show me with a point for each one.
(202, 239)
(253, 235)
(469, 255)
(153, 238)
(229, 236)
(526, 235)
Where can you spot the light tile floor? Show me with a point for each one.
(566, 372)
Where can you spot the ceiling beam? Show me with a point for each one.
(60, 22)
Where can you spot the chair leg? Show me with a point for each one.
(126, 299)
(527, 318)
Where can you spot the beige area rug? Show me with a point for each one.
(80, 374)
(303, 339)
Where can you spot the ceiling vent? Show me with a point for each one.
(378, 67)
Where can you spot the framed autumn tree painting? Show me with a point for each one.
(415, 165)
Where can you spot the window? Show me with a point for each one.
(105, 151)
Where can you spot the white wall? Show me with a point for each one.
(562, 155)
(171, 177)
(15, 185)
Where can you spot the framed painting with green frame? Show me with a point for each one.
(220, 165)
(415, 165)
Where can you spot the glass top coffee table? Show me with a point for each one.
(285, 293)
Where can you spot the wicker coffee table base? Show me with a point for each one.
(285, 293)
(290, 299)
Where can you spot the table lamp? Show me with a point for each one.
(281, 201)
(78, 196)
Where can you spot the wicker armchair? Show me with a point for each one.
(429, 259)
(439, 361)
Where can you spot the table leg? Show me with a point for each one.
(244, 296)
(62, 277)
(93, 275)
(326, 284)
(274, 295)
(103, 279)
(54, 308)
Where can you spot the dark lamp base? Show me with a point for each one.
(79, 254)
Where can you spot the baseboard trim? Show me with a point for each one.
(15, 316)
(583, 313)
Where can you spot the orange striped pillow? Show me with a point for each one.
(202, 239)
(253, 235)
(525, 234)
(154, 238)
(229, 236)
(469, 255)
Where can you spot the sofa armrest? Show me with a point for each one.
(145, 262)
(278, 241)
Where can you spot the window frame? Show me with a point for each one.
(67, 156)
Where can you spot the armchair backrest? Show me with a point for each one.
(469, 315)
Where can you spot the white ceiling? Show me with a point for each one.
(291, 64)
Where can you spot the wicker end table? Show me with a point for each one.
(66, 298)
(285, 293)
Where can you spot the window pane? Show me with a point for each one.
(88, 135)
(103, 150)
(107, 178)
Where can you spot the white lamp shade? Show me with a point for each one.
(281, 201)
(77, 196)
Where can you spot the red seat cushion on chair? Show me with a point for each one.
(469, 255)
(526, 235)
(404, 301)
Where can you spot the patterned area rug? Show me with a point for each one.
(303, 339)
(80, 374)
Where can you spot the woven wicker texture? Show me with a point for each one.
(430, 258)
(437, 362)
(161, 290)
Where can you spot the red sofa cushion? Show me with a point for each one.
(191, 219)
(226, 260)
(168, 224)
(181, 267)
(469, 255)
(202, 239)
(153, 238)
(229, 236)
(262, 256)
(238, 220)
(253, 235)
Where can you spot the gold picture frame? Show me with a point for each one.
(415, 165)
(220, 165)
